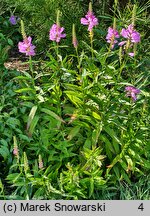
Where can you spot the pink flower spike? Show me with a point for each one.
(89, 20)
(124, 33)
(135, 37)
(110, 37)
(131, 34)
(132, 92)
(56, 33)
(27, 47)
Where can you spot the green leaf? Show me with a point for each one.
(75, 97)
(73, 132)
(33, 125)
(3, 142)
(13, 122)
(4, 152)
(115, 139)
(22, 78)
(87, 144)
(31, 116)
(10, 42)
(27, 74)
(125, 176)
(25, 90)
(129, 162)
(13, 177)
(124, 165)
(117, 172)
(91, 188)
(27, 98)
(96, 115)
(113, 163)
(54, 115)
(108, 146)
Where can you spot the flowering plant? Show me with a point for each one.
(27, 47)
(56, 33)
(131, 34)
(111, 36)
(132, 92)
(90, 19)
(132, 37)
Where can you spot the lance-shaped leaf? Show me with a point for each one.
(31, 116)
(51, 113)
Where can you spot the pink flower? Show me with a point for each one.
(131, 54)
(131, 34)
(122, 43)
(89, 20)
(26, 47)
(110, 37)
(15, 151)
(132, 37)
(55, 33)
(132, 92)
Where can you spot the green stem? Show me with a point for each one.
(31, 66)
(57, 51)
(122, 66)
(78, 58)
(2, 191)
(91, 40)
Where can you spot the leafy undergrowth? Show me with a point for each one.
(77, 126)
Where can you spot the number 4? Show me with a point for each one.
(141, 207)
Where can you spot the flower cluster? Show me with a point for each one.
(132, 37)
(56, 33)
(89, 20)
(132, 92)
(27, 47)
(111, 36)
(130, 34)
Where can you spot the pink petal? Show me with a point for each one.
(131, 54)
(121, 43)
(84, 21)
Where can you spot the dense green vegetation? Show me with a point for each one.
(69, 128)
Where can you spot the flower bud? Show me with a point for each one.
(26, 165)
(74, 38)
(40, 162)
(15, 149)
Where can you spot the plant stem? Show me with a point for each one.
(57, 51)
(31, 66)
(78, 58)
(91, 40)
